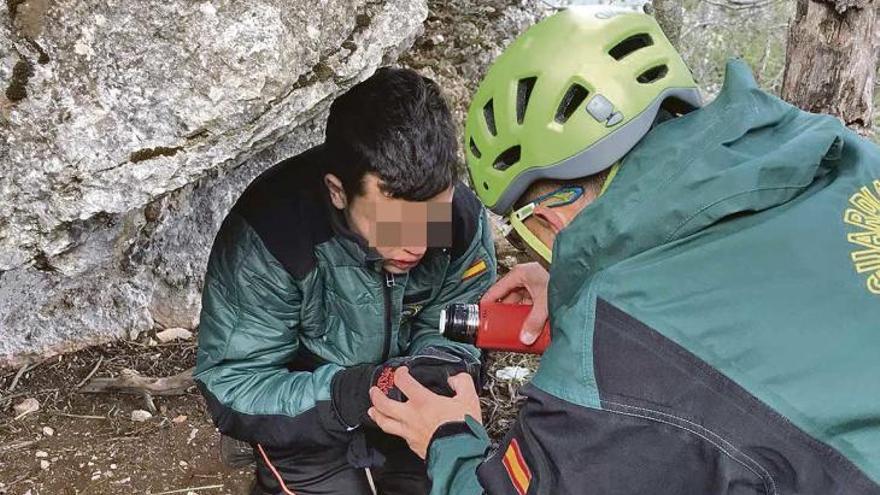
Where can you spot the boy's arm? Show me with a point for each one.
(468, 276)
(248, 334)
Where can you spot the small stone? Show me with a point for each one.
(170, 334)
(512, 373)
(48, 431)
(42, 454)
(183, 463)
(26, 406)
(179, 419)
(139, 415)
(44, 464)
(112, 466)
(192, 435)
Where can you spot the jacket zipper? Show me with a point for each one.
(388, 291)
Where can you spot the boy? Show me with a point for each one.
(330, 264)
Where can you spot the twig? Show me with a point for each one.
(17, 480)
(80, 416)
(24, 369)
(136, 384)
(24, 414)
(17, 376)
(91, 373)
(184, 490)
(9, 398)
(16, 445)
(148, 400)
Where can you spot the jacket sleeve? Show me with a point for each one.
(455, 452)
(468, 276)
(248, 334)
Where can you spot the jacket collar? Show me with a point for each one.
(353, 243)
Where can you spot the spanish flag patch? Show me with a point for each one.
(516, 467)
(477, 268)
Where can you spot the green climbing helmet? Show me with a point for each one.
(569, 98)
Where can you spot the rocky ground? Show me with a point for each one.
(83, 443)
(79, 442)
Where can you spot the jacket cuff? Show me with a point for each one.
(457, 439)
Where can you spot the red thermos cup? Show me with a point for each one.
(491, 326)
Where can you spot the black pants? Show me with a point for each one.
(328, 471)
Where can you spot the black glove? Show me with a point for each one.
(350, 388)
(350, 394)
(431, 367)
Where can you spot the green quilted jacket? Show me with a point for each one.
(292, 296)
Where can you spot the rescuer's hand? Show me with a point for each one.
(524, 284)
(418, 418)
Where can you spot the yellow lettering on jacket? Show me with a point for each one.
(864, 215)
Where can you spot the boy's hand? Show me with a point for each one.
(433, 366)
(524, 284)
(418, 418)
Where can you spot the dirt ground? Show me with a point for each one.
(95, 448)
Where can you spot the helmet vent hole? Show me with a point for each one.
(575, 95)
(631, 44)
(507, 159)
(523, 93)
(474, 150)
(489, 115)
(653, 74)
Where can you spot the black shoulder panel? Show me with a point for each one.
(642, 374)
(286, 207)
(466, 211)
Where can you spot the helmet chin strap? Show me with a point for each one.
(518, 217)
(516, 221)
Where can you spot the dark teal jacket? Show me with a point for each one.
(292, 296)
(715, 319)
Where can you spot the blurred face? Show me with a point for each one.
(400, 231)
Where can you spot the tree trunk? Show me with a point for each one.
(670, 16)
(832, 59)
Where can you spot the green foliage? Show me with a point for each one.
(713, 33)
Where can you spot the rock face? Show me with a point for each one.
(127, 129)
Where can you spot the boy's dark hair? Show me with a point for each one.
(397, 125)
